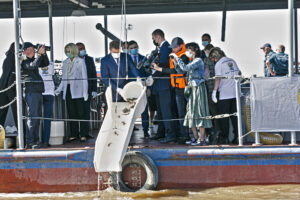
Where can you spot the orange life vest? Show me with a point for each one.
(178, 80)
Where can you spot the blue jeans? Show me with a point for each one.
(48, 110)
(34, 103)
(181, 111)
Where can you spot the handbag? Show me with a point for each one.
(187, 91)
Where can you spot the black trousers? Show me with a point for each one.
(76, 109)
(5, 98)
(228, 106)
(87, 113)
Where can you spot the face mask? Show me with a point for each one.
(206, 54)
(134, 51)
(82, 53)
(115, 55)
(188, 54)
(69, 55)
(204, 43)
(126, 51)
(155, 43)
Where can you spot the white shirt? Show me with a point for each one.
(46, 74)
(226, 67)
(79, 88)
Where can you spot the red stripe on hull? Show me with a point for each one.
(50, 180)
(177, 177)
(220, 176)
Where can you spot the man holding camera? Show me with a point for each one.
(34, 87)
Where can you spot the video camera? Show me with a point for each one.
(148, 60)
(47, 48)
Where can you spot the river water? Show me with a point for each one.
(255, 192)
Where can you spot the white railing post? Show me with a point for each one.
(239, 110)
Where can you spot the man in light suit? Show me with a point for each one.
(162, 90)
(92, 82)
(136, 58)
(109, 69)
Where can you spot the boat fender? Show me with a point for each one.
(139, 159)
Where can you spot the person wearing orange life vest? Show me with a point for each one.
(178, 82)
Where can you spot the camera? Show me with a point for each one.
(38, 46)
(148, 60)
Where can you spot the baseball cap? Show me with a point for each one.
(27, 45)
(176, 42)
(266, 45)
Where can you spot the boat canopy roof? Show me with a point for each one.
(39, 8)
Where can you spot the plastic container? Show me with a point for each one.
(56, 140)
(57, 129)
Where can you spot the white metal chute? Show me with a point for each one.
(115, 133)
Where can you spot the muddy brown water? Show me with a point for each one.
(252, 192)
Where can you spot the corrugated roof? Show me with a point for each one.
(39, 8)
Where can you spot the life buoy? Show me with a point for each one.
(2, 137)
(138, 172)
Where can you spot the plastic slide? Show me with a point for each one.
(115, 133)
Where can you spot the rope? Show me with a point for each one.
(7, 105)
(100, 78)
(179, 119)
(9, 87)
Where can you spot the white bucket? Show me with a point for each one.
(57, 129)
(56, 140)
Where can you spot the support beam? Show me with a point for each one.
(291, 36)
(296, 40)
(105, 37)
(50, 30)
(223, 22)
(17, 10)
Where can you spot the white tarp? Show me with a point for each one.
(115, 133)
(275, 104)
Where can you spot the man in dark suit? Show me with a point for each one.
(162, 89)
(92, 82)
(136, 58)
(109, 69)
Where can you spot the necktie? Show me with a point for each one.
(135, 61)
(117, 60)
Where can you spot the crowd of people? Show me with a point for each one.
(183, 87)
(184, 92)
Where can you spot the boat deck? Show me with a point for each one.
(138, 141)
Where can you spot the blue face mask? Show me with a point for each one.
(204, 43)
(69, 55)
(134, 51)
(82, 53)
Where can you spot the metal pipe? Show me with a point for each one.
(105, 37)
(291, 38)
(257, 138)
(296, 40)
(50, 29)
(239, 110)
(223, 22)
(293, 138)
(17, 9)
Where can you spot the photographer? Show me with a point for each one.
(34, 87)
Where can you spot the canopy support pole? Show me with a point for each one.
(17, 10)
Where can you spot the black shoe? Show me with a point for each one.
(90, 136)
(44, 145)
(28, 146)
(157, 137)
(135, 128)
(203, 143)
(146, 134)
